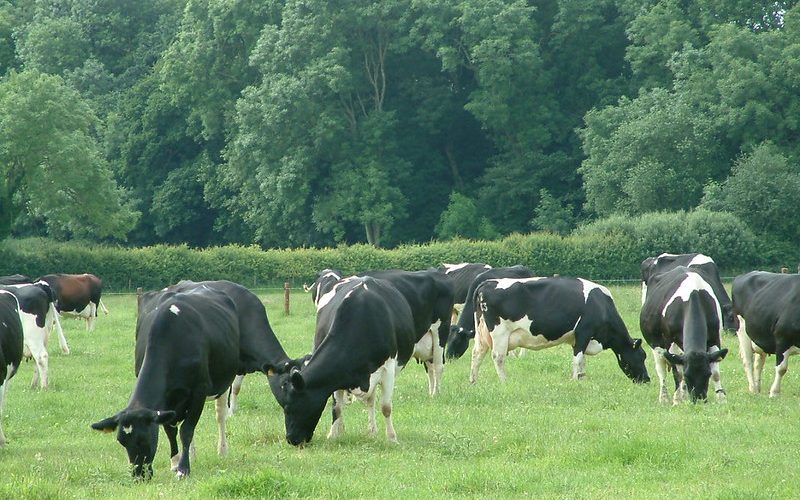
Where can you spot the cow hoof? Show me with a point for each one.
(181, 475)
(774, 394)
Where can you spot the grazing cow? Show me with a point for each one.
(78, 295)
(15, 279)
(11, 341)
(257, 341)
(680, 320)
(460, 334)
(653, 266)
(768, 308)
(461, 276)
(323, 283)
(365, 334)
(536, 313)
(37, 315)
(187, 351)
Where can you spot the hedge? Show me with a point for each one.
(609, 249)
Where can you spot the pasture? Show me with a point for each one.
(539, 435)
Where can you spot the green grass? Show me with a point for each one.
(541, 434)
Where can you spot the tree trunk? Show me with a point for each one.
(373, 230)
(458, 182)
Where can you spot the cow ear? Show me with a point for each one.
(297, 380)
(637, 343)
(717, 356)
(674, 359)
(107, 425)
(162, 417)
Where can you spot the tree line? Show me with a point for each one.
(314, 123)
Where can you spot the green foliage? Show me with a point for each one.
(54, 45)
(763, 191)
(551, 215)
(462, 218)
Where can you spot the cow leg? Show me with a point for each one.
(479, 351)
(783, 350)
(661, 370)
(500, 338)
(103, 307)
(387, 390)
(677, 373)
(187, 434)
(438, 368)
(368, 398)
(53, 320)
(715, 376)
(758, 366)
(221, 405)
(234, 394)
(2, 400)
(92, 315)
(172, 436)
(37, 344)
(746, 353)
(337, 426)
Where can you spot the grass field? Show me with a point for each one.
(541, 434)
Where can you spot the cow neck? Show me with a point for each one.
(329, 370)
(695, 326)
(151, 385)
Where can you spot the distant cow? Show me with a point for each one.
(461, 333)
(15, 279)
(37, 315)
(680, 320)
(461, 276)
(257, 341)
(77, 294)
(187, 350)
(768, 307)
(536, 313)
(653, 266)
(365, 335)
(11, 342)
(323, 283)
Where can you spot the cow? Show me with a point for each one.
(78, 295)
(681, 321)
(365, 335)
(768, 309)
(653, 266)
(11, 342)
(536, 313)
(37, 315)
(461, 333)
(15, 279)
(257, 341)
(461, 276)
(187, 351)
(430, 296)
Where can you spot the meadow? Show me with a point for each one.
(539, 435)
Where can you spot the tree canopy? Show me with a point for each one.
(287, 123)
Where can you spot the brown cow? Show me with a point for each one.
(77, 294)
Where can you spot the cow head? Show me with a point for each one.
(458, 341)
(631, 359)
(137, 432)
(302, 406)
(696, 370)
(730, 320)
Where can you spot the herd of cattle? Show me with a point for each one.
(196, 340)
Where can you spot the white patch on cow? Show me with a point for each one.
(588, 286)
(128, 429)
(4, 324)
(700, 259)
(644, 292)
(323, 300)
(521, 336)
(175, 310)
(594, 348)
(454, 267)
(35, 343)
(693, 282)
(503, 283)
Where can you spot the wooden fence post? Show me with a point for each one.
(139, 293)
(286, 298)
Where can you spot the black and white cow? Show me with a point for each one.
(653, 266)
(77, 295)
(11, 342)
(536, 313)
(15, 279)
(461, 333)
(430, 296)
(461, 276)
(365, 335)
(768, 309)
(257, 341)
(37, 315)
(680, 320)
(187, 351)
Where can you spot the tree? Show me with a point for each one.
(763, 190)
(51, 163)
(551, 215)
(463, 219)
